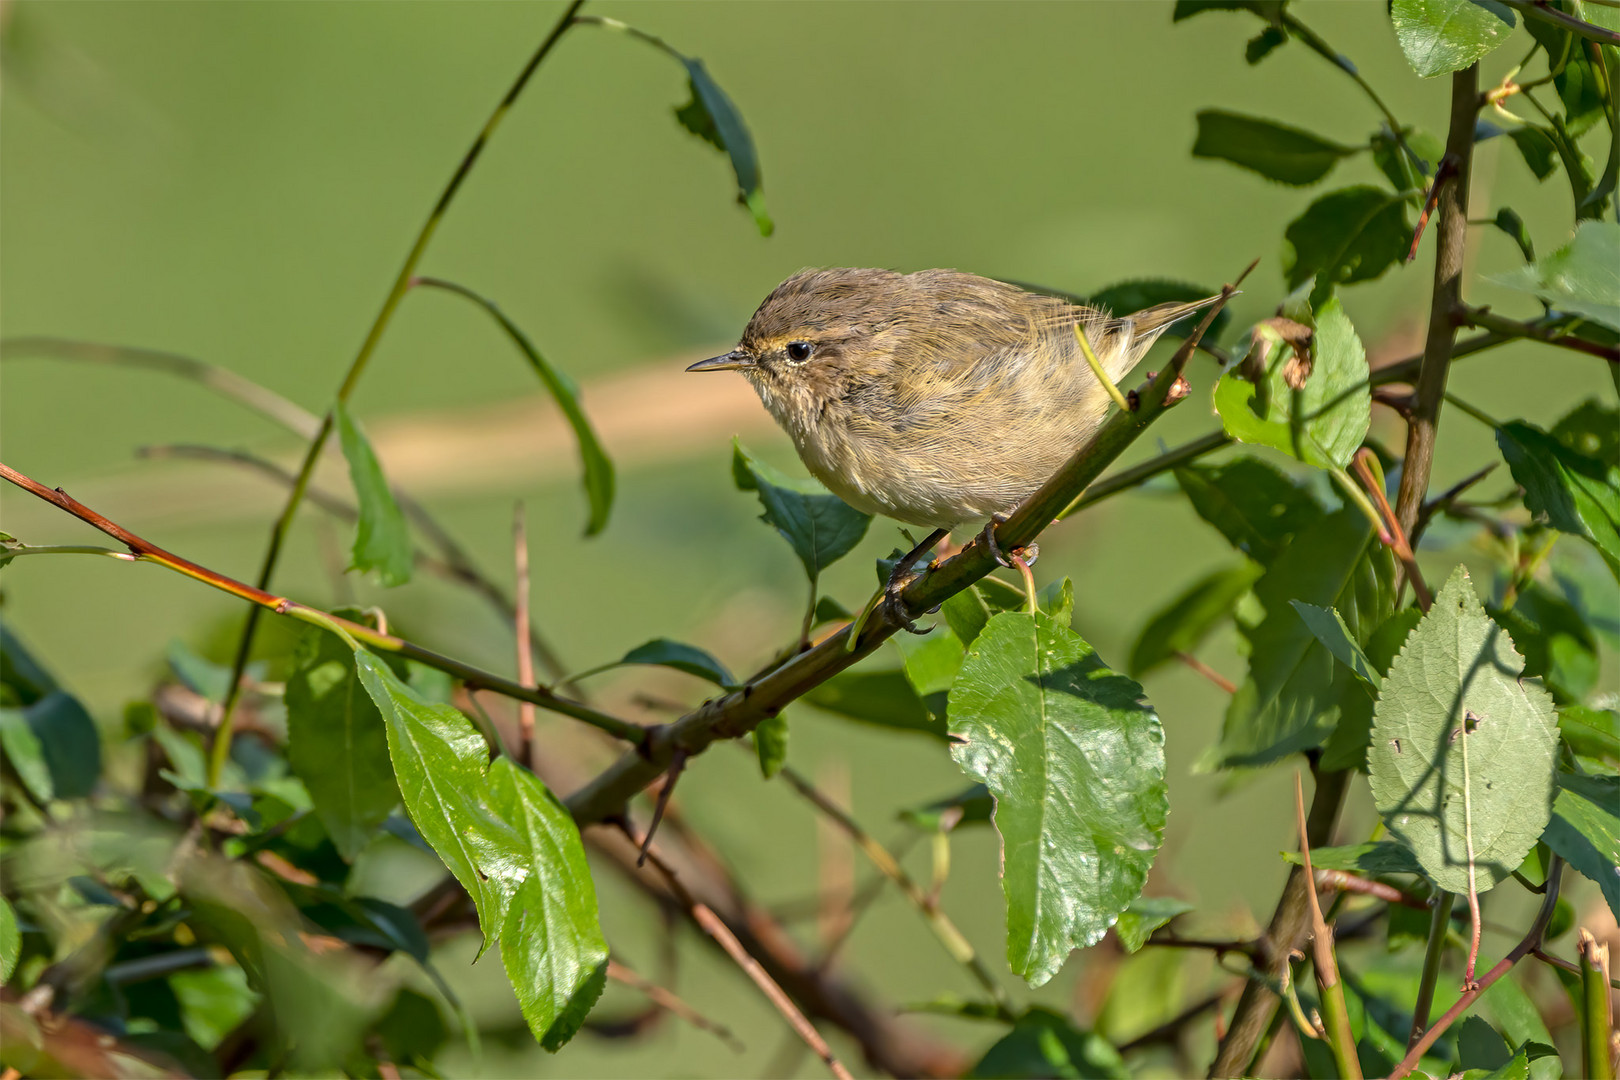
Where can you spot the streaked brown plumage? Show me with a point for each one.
(933, 398)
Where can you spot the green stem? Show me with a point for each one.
(1340, 61)
(1597, 1026)
(1433, 950)
(1140, 474)
(9, 553)
(221, 749)
(1336, 1023)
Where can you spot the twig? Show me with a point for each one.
(1207, 672)
(676, 765)
(716, 928)
(1140, 474)
(1531, 941)
(452, 563)
(944, 929)
(672, 1004)
(1442, 502)
(1557, 334)
(1336, 1021)
(1559, 962)
(1540, 9)
(1448, 165)
(1392, 534)
(402, 280)
(1433, 952)
(520, 619)
(146, 551)
(1344, 881)
(738, 712)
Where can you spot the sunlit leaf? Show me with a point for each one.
(1462, 746)
(1582, 277)
(381, 541)
(1442, 36)
(821, 527)
(1276, 151)
(1585, 830)
(711, 116)
(1317, 411)
(1076, 763)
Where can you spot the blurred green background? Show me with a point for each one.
(238, 182)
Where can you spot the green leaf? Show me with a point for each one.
(1552, 636)
(821, 527)
(1327, 626)
(381, 540)
(1043, 1043)
(510, 843)
(1539, 153)
(931, 664)
(10, 940)
(1577, 494)
(23, 679)
(1263, 44)
(1442, 36)
(662, 652)
(597, 468)
(972, 805)
(54, 746)
(711, 116)
(1512, 224)
(1346, 748)
(1480, 1047)
(1076, 763)
(1129, 297)
(1350, 235)
(967, 612)
(882, 698)
(551, 942)
(771, 744)
(1183, 624)
(1582, 277)
(337, 743)
(1593, 733)
(1144, 915)
(1254, 506)
(1275, 151)
(413, 1030)
(1321, 421)
(1585, 830)
(1372, 859)
(1295, 692)
(1462, 742)
(211, 680)
(1397, 165)
(1591, 430)
(1519, 1020)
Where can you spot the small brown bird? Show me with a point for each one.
(934, 398)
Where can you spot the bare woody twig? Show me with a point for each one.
(672, 1004)
(1336, 1018)
(146, 551)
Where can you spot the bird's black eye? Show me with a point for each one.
(799, 351)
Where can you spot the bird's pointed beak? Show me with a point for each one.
(731, 361)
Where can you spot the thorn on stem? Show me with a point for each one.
(1448, 166)
(677, 762)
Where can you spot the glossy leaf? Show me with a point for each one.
(10, 940)
(662, 652)
(1043, 1043)
(54, 746)
(771, 744)
(1076, 763)
(1256, 507)
(711, 116)
(1582, 277)
(1295, 692)
(882, 698)
(381, 541)
(1275, 151)
(551, 943)
(1181, 626)
(1576, 494)
(1321, 421)
(1144, 915)
(1461, 742)
(1442, 36)
(510, 843)
(1585, 830)
(821, 527)
(1373, 859)
(337, 742)
(1350, 235)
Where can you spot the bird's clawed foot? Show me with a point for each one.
(894, 606)
(1027, 554)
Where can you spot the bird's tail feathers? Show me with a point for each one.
(1151, 322)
